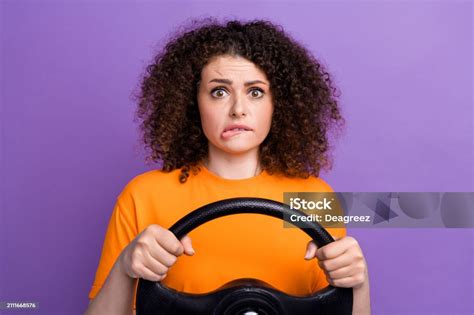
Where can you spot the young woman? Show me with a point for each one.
(234, 110)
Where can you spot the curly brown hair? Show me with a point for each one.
(304, 98)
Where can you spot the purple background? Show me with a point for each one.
(68, 143)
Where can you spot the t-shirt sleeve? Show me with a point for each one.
(121, 230)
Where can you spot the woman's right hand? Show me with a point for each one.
(153, 252)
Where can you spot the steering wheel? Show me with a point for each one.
(245, 296)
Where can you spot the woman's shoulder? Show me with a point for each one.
(311, 183)
(320, 183)
(151, 181)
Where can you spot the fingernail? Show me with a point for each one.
(307, 255)
(192, 251)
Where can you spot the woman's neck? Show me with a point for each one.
(231, 166)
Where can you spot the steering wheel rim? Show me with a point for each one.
(326, 298)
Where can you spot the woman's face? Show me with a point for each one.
(233, 91)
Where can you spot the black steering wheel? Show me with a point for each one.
(243, 296)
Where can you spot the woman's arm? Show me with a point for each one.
(116, 295)
(361, 299)
(344, 265)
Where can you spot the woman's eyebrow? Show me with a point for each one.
(229, 82)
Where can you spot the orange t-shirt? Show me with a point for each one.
(227, 248)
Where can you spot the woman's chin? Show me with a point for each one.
(236, 148)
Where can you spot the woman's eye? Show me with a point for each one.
(256, 93)
(218, 92)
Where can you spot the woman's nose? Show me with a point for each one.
(239, 108)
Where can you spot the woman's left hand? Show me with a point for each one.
(342, 261)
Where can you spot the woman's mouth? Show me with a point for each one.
(233, 132)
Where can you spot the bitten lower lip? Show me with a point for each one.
(230, 133)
